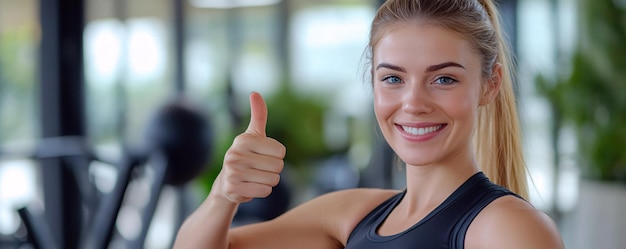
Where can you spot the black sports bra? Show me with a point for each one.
(444, 227)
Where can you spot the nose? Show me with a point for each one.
(417, 100)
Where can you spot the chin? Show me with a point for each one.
(416, 161)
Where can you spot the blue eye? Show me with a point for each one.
(392, 79)
(445, 81)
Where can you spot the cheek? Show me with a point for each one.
(384, 103)
(463, 107)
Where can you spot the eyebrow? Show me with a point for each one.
(390, 66)
(431, 68)
(443, 65)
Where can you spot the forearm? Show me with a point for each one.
(251, 167)
(208, 226)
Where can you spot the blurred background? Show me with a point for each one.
(115, 114)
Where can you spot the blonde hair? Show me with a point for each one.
(497, 138)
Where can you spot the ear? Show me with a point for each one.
(492, 87)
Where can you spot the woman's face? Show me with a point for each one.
(427, 90)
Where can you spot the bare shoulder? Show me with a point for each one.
(350, 200)
(323, 222)
(510, 222)
(349, 207)
(342, 210)
(359, 197)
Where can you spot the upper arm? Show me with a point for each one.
(509, 222)
(294, 229)
(324, 222)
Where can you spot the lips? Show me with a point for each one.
(421, 130)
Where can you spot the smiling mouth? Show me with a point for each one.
(422, 130)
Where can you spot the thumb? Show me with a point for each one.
(258, 115)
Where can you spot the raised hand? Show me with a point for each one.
(253, 163)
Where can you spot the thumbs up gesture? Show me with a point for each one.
(253, 163)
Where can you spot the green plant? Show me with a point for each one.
(593, 96)
(296, 120)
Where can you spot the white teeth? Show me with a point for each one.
(421, 131)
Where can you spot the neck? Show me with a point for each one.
(429, 185)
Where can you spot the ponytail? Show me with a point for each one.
(498, 136)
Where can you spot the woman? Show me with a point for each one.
(444, 102)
